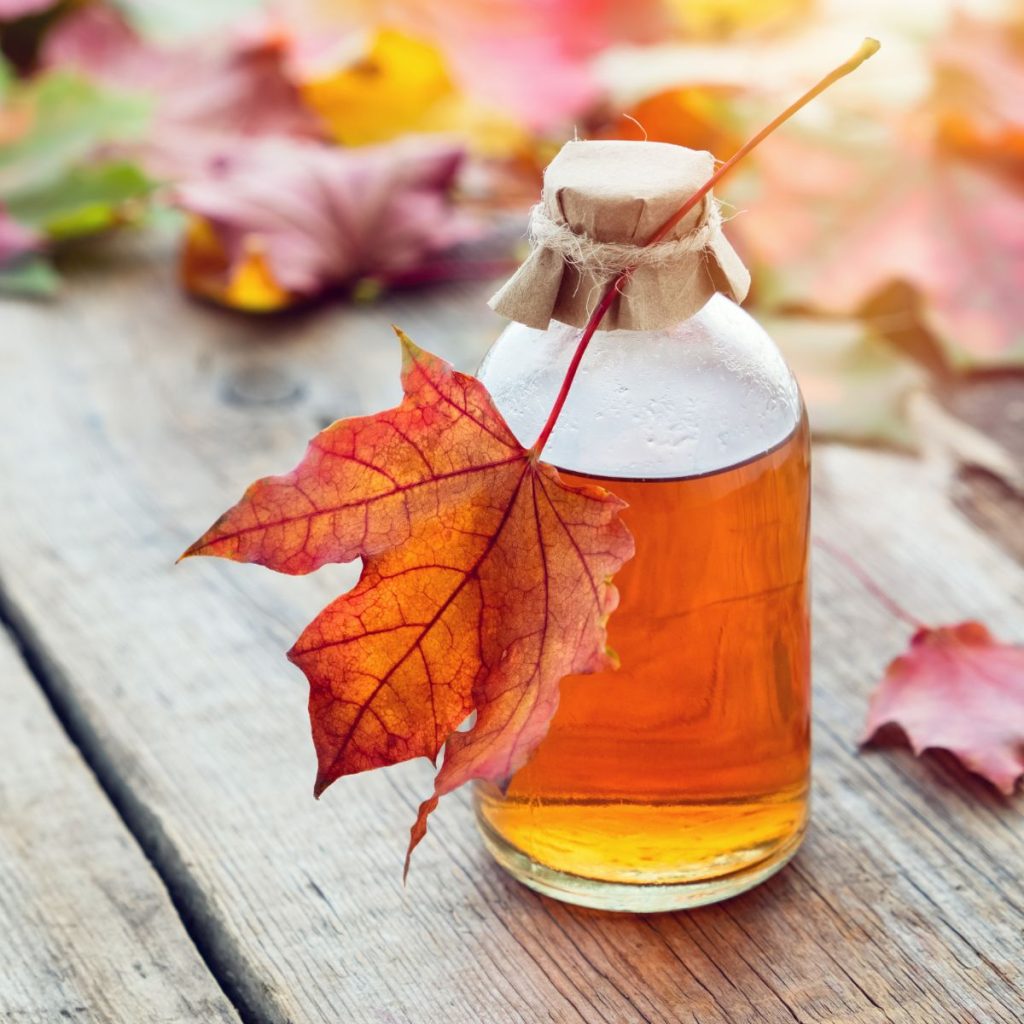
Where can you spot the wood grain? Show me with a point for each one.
(994, 404)
(87, 933)
(130, 418)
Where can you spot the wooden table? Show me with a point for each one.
(161, 857)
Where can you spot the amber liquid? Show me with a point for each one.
(690, 762)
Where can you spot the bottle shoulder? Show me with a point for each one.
(695, 398)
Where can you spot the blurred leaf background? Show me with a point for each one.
(335, 149)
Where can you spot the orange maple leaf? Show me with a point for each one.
(485, 580)
(958, 689)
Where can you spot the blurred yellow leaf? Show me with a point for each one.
(390, 90)
(252, 286)
(720, 18)
(487, 132)
(402, 84)
(206, 270)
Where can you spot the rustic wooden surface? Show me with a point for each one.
(129, 418)
(86, 929)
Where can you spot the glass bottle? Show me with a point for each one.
(681, 778)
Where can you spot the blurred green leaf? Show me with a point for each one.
(85, 200)
(60, 172)
(6, 78)
(67, 120)
(31, 276)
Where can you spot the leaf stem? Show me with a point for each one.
(868, 48)
(869, 583)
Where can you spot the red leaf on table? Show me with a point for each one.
(959, 690)
(485, 580)
(321, 216)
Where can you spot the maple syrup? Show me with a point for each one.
(681, 777)
(689, 763)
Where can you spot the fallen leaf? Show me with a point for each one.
(835, 221)
(944, 438)
(59, 177)
(723, 18)
(581, 27)
(761, 67)
(388, 89)
(861, 389)
(11, 9)
(979, 81)
(319, 217)
(171, 21)
(855, 384)
(960, 690)
(243, 282)
(528, 62)
(16, 239)
(485, 580)
(86, 200)
(58, 121)
(205, 95)
(23, 270)
(32, 276)
(398, 83)
(949, 228)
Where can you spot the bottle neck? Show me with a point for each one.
(704, 395)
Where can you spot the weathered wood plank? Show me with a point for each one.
(994, 404)
(130, 418)
(87, 932)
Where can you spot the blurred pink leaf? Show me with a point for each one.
(958, 689)
(206, 94)
(321, 217)
(24, 269)
(527, 58)
(935, 202)
(979, 83)
(16, 239)
(531, 78)
(11, 9)
(831, 231)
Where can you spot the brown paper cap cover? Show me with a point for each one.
(622, 192)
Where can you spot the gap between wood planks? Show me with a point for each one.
(143, 826)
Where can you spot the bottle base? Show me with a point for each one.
(634, 897)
